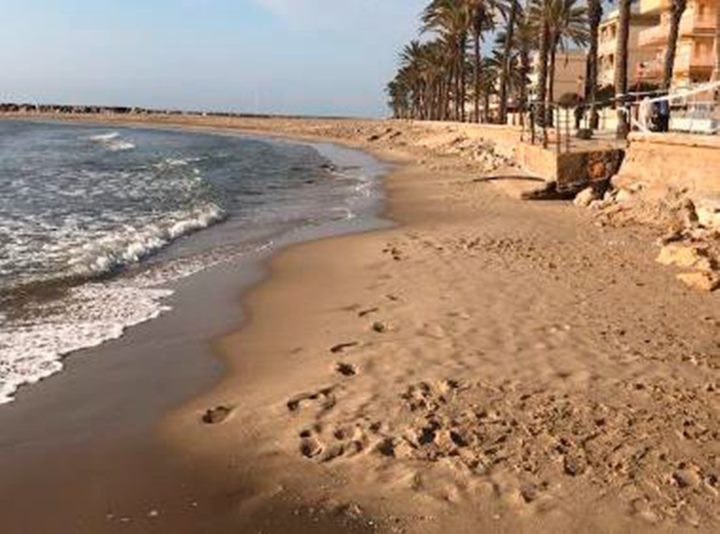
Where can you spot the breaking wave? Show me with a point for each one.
(112, 141)
(131, 245)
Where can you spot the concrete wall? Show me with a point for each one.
(673, 161)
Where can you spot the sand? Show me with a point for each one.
(485, 365)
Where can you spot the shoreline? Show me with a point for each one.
(138, 432)
(486, 364)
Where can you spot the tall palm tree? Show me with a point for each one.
(677, 9)
(595, 13)
(482, 14)
(568, 27)
(544, 30)
(507, 58)
(716, 70)
(621, 65)
(450, 19)
(526, 36)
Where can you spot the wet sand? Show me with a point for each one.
(487, 365)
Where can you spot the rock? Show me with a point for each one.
(684, 256)
(624, 196)
(688, 214)
(672, 236)
(709, 217)
(574, 465)
(379, 327)
(701, 281)
(585, 197)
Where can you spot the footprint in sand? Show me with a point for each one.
(217, 415)
(327, 445)
(365, 313)
(346, 369)
(342, 347)
(323, 397)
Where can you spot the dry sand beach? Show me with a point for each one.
(485, 365)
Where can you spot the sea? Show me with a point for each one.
(98, 223)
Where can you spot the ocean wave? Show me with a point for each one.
(100, 138)
(119, 146)
(112, 141)
(91, 315)
(130, 245)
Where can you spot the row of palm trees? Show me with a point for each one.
(445, 72)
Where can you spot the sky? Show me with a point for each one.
(320, 57)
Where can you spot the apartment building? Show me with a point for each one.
(570, 68)
(607, 45)
(695, 55)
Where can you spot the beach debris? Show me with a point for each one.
(342, 347)
(685, 256)
(153, 513)
(217, 415)
(365, 313)
(379, 327)
(703, 281)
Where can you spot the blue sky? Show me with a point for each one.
(270, 56)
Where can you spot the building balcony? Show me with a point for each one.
(653, 6)
(694, 63)
(693, 24)
(690, 25)
(655, 36)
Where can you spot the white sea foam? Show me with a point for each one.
(112, 141)
(91, 315)
(104, 137)
(119, 146)
(131, 244)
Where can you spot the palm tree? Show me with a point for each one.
(489, 82)
(677, 8)
(541, 110)
(479, 21)
(621, 65)
(568, 26)
(716, 70)
(595, 13)
(451, 20)
(527, 41)
(507, 57)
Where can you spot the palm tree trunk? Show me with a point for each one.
(716, 70)
(458, 89)
(543, 66)
(595, 12)
(621, 67)
(677, 9)
(463, 77)
(551, 72)
(524, 72)
(476, 73)
(507, 53)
